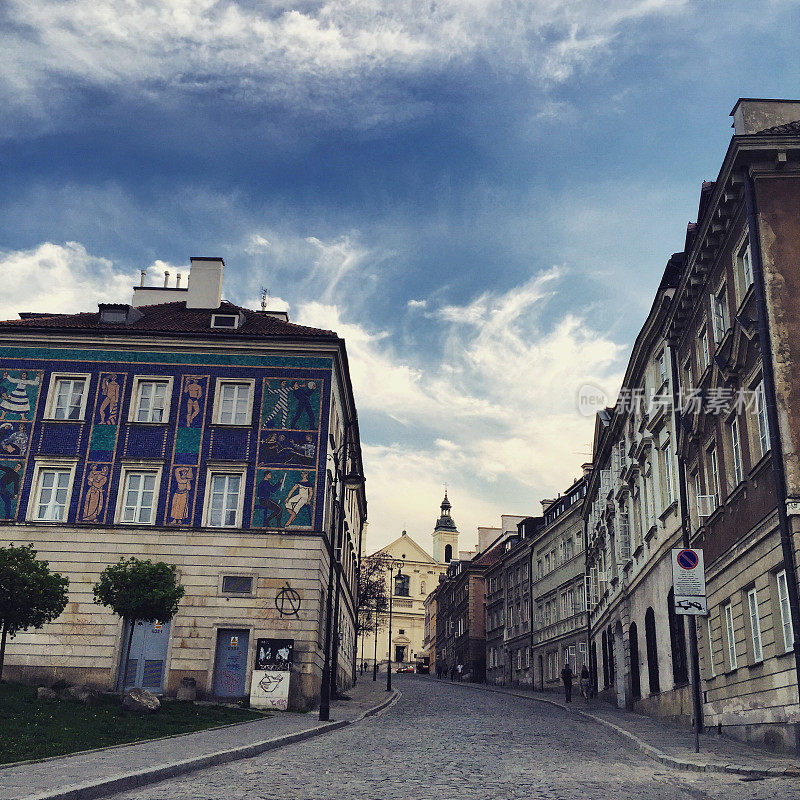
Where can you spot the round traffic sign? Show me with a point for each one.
(687, 559)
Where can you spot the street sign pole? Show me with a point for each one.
(689, 590)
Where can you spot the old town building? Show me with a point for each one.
(460, 615)
(420, 575)
(185, 429)
(557, 589)
(638, 644)
(735, 327)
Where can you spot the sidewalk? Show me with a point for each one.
(665, 742)
(98, 773)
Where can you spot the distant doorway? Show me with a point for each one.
(400, 652)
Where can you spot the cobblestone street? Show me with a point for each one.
(442, 741)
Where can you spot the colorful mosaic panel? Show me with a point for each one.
(287, 436)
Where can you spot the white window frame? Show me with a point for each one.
(133, 410)
(755, 625)
(786, 614)
(731, 633)
(744, 267)
(668, 464)
(239, 470)
(218, 400)
(46, 465)
(703, 357)
(52, 394)
(763, 422)
(736, 449)
(713, 466)
(709, 631)
(130, 468)
(719, 310)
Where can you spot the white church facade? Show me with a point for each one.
(421, 573)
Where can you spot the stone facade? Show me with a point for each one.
(194, 435)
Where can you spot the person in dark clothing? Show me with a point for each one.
(302, 394)
(9, 488)
(586, 683)
(566, 678)
(273, 513)
(452, 671)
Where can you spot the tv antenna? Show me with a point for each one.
(264, 296)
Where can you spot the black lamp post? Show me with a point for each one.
(375, 654)
(392, 566)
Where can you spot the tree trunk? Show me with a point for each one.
(3, 649)
(127, 656)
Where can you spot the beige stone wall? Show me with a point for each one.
(83, 645)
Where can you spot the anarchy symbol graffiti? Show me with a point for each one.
(287, 601)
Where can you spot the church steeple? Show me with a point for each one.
(445, 534)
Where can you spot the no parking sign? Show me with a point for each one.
(689, 581)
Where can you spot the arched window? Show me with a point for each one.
(402, 585)
(633, 647)
(604, 645)
(652, 651)
(448, 553)
(422, 587)
(677, 638)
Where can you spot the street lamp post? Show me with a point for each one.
(375, 654)
(394, 565)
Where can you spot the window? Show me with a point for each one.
(237, 584)
(527, 657)
(223, 506)
(719, 308)
(224, 321)
(687, 376)
(668, 476)
(547, 563)
(139, 495)
(151, 400)
(736, 449)
(786, 616)
(67, 396)
(519, 658)
(761, 411)
(712, 670)
(53, 485)
(703, 358)
(713, 473)
(233, 402)
(728, 616)
(539, 569)
(662, 367)
(402, 585)
(422, 587)
(755, 625)
(744, 269)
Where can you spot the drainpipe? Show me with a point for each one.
(770, 400)
(697, 706)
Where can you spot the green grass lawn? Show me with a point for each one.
(31, 728)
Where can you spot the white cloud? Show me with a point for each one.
(320, 53)
(60, 279)
(417, 303)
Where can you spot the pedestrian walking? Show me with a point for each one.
(586, 683)
(566, 677)
(452, 672)
(460, 670)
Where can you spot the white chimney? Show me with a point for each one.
(752, 114)
(205, 283)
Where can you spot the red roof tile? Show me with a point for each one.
(173, 318)
(788, 128)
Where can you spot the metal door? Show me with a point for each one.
(230, 664)
(148, 658)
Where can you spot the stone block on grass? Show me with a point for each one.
(142, 701)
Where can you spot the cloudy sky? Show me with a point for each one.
(479, 195)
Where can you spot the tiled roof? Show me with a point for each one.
(788, 128)
(489, 557)
(172, 318)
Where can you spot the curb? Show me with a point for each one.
(653, 752)
(133, 780)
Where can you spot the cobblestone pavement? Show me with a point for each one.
(443, 742)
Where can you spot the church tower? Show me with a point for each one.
(445, 535)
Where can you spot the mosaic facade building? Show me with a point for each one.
(186, 429)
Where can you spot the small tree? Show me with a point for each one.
(372, 589)
(139, 590)
(30, 594)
